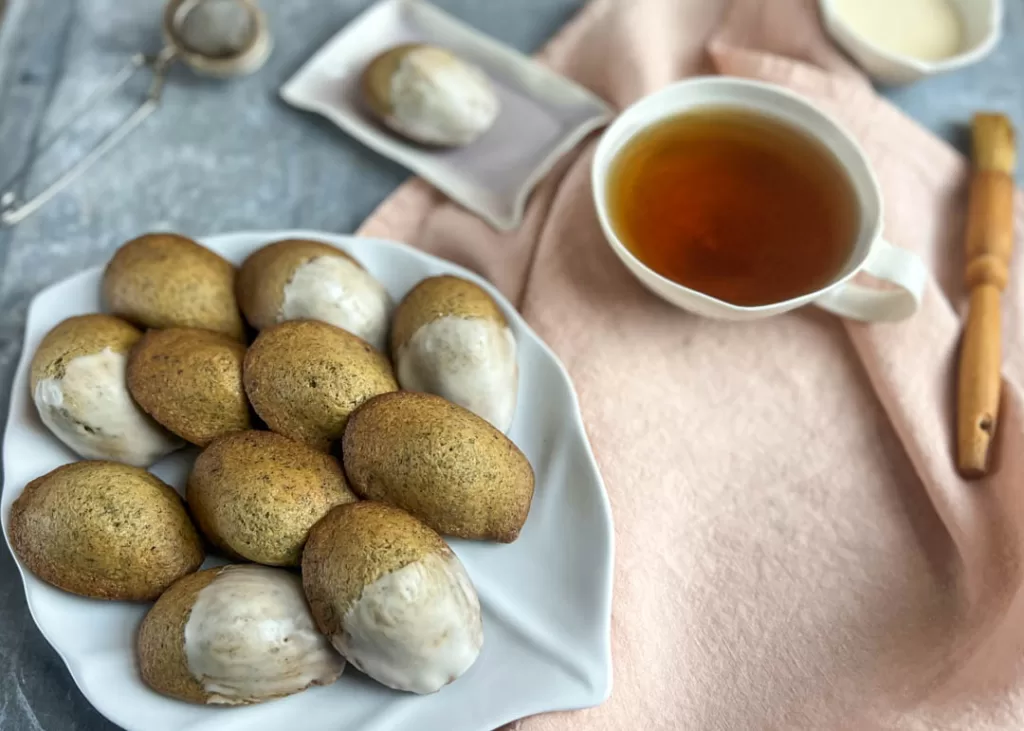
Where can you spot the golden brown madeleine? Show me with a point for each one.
(438, 297)
(190, 381)
(392, 597)
(161, 639)
(81, 393)
(440, 462)
(163, 280)
(450, 338)
(78, 336)
(265, 273)
(429, 95)
(297, 279)
(256, 494)
(104, 530)
(376, 79)
(305, 377)
(234, 635)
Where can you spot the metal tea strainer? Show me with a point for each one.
(219, 38)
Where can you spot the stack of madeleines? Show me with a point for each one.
(319, 453)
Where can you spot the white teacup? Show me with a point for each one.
(870, 254)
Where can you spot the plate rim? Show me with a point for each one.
(216, 242)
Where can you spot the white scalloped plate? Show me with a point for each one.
(546, 597)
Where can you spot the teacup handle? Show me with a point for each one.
(888, 263)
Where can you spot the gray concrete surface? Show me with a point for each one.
(224, 156)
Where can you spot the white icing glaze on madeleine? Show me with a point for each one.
(417, 628)
(338, 291)
(250, 637)
(91, 411)
(469, 361)
(438, 99)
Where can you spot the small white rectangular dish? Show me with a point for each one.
(546, 598)
(543, 115)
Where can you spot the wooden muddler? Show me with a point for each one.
(989, 244)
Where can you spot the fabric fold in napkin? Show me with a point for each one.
(795, 549)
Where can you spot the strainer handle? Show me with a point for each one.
(13, 211)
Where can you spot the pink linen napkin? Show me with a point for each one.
(794, 547)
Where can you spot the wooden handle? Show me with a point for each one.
(989, 244)
(980, 360)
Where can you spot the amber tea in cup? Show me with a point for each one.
(734, 204)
